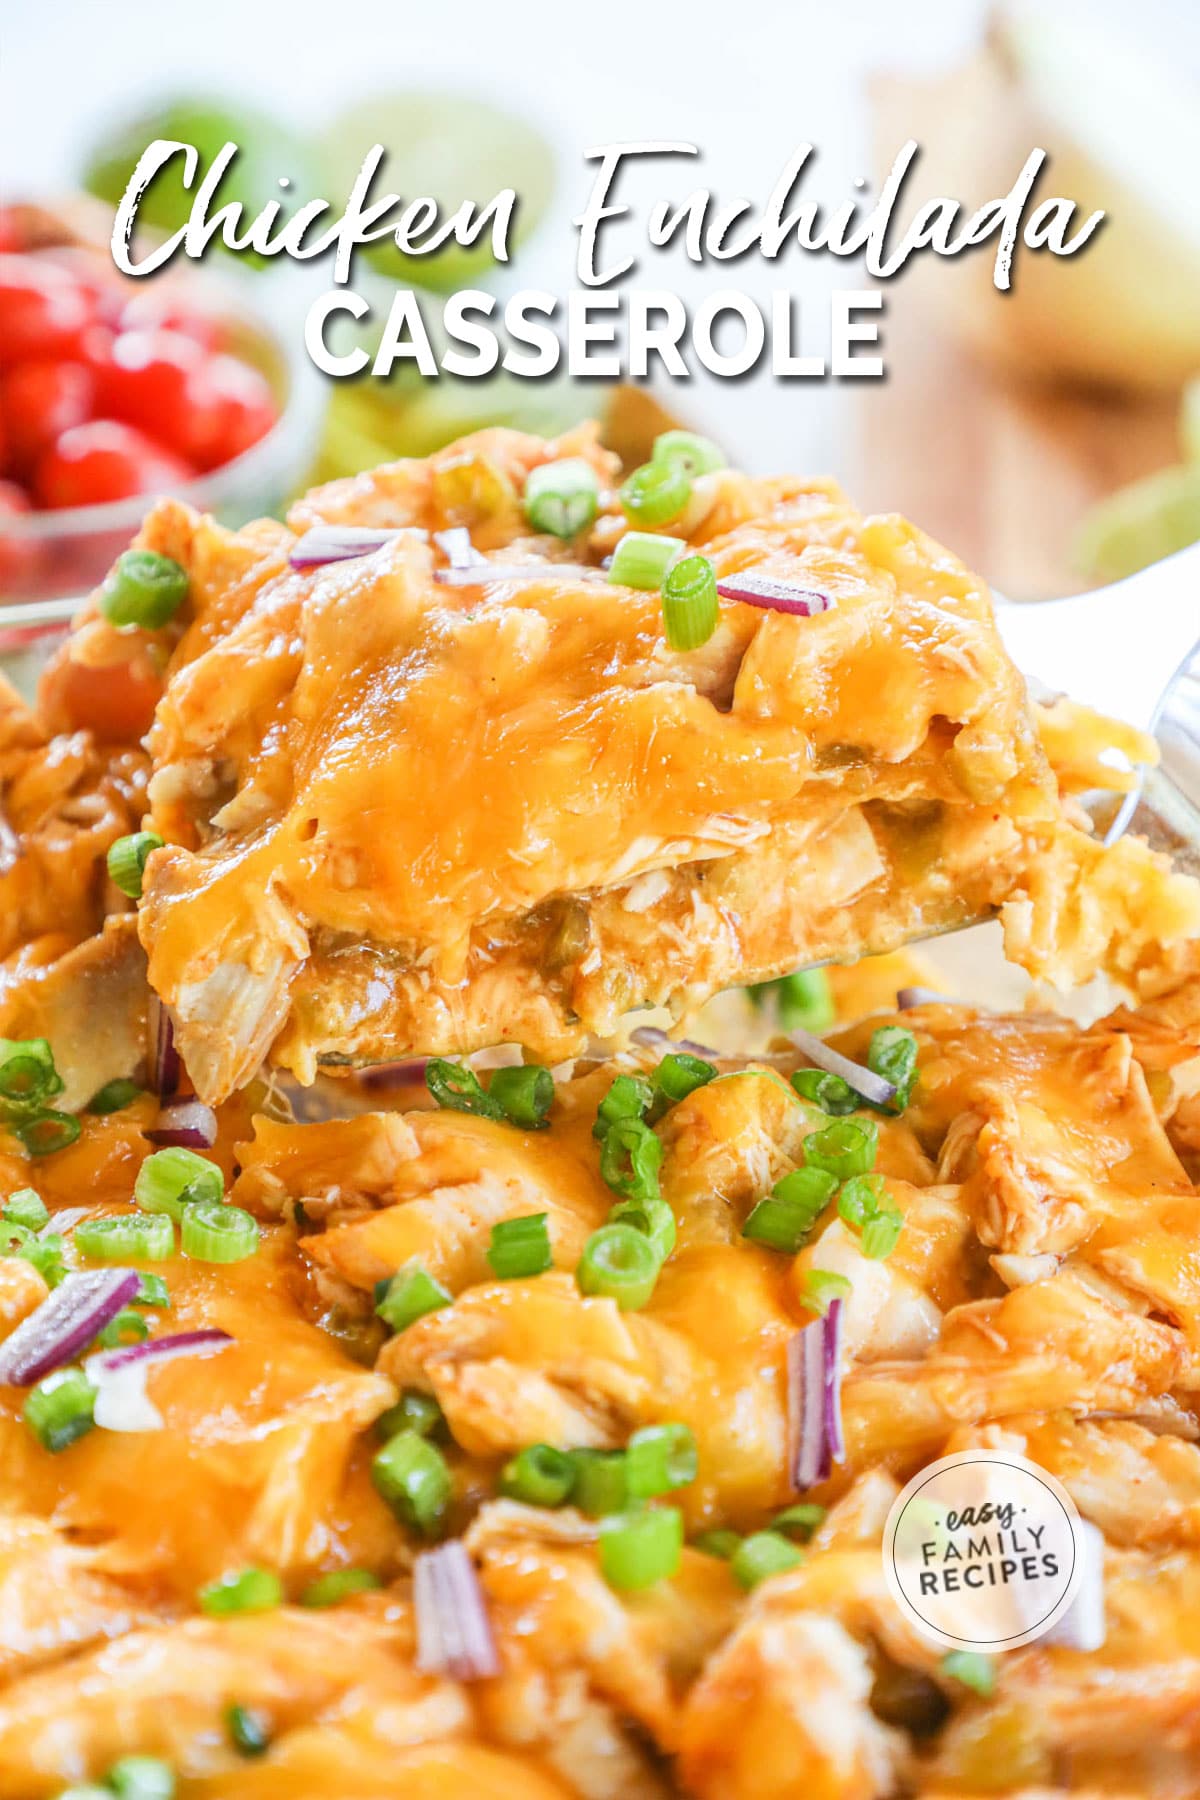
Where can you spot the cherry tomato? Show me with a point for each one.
(240, 406)
(19, 557)
(38, 402)
(152, 379)
(43, 309)
(152, 311)
(105, 460)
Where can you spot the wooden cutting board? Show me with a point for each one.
(999, 468)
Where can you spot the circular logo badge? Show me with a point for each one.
(983, 1551)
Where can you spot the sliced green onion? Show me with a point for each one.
(803, 999)
(677, 1076)
(629, 1159)
(171, 1180)
(618, 1263)
(127, 860)
(881, 1234)
(520, 1247)
(843, 1149)
(43, 1251)
(143, 589)
(539, 1475)
(28, 1076)
(629, 1097)
(778, 1224)
(719, 1543)
(26, 1207)
(972, 1669)
(413, 1411)
(339, 1585)
(690, 606)
(600, 1486)
(524, 1094)
(652, 1216)
(412, 1476)
(658, 1459)
(141, 1778)
(562, 497)
(128, 1327)
(60, 1408)
(695, 455)
(457, 1088)
(642, 558)
(114, 1096)
(656, 493)
(241, 1591)
(638, 1549)
(409, 1295)
(800, 1520)
(213, 1232)
(47, 1132)
(249, 1731)
(829, 1092)
(860, 1199)
(126, 1238)
(823, 1285)
(152, 1291)
(763, 1553)
(893, 1055)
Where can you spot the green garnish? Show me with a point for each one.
(212, 1232)
(142, 589)
(763, 1553)
(59, 1409)
(843, 1149)
(658, 1459)
(539, 1475)
(893, 1055)
(338, 1585)
(619, 1263)
(127, 861)
(241, 1591)
(171, 1180)
(972, 1669)
(642, 558)
(126, 1238)
(520, 1247)
(638, 1549)
(412, 1476)
(562, 498)
(409, 1295)
(690, 605)
(656, 493)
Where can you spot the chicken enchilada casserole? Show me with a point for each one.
(409, 1357)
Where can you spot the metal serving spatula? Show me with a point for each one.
(1131, 650)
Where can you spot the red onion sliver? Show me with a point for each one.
(204, 1342)
(456, 546)
(165, 1066)
(773, 596)
(651, 1038)
(66, 1321)
(1082, 1626)
(908, 997)
(814, 1392)
(337, 543)
(872, 1087)
(383, 1077)
(477, 574)
(188, 1123)
(64, 1221)
(454, 1634)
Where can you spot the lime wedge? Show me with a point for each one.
(451, 147)
(1140, 524)
(266, 151)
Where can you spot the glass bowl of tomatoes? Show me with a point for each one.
(115, 391)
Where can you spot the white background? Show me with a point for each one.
(746, 80)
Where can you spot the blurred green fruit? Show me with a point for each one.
(266, 151)
(452, 148)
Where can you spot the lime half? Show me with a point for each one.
(451, 148)
(1140, 524)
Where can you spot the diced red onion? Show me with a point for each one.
(119, 1376)
(872, 1087)
(165, 1066)
(188, 1123)
(773, 596)
(651, 1038)
(477, 574)
(383, 1077)
(454, 1634)
(323, 544)
(456, 546)
(1082, 1626)
(814, 1381)
(908, 997)
(67, 1320)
